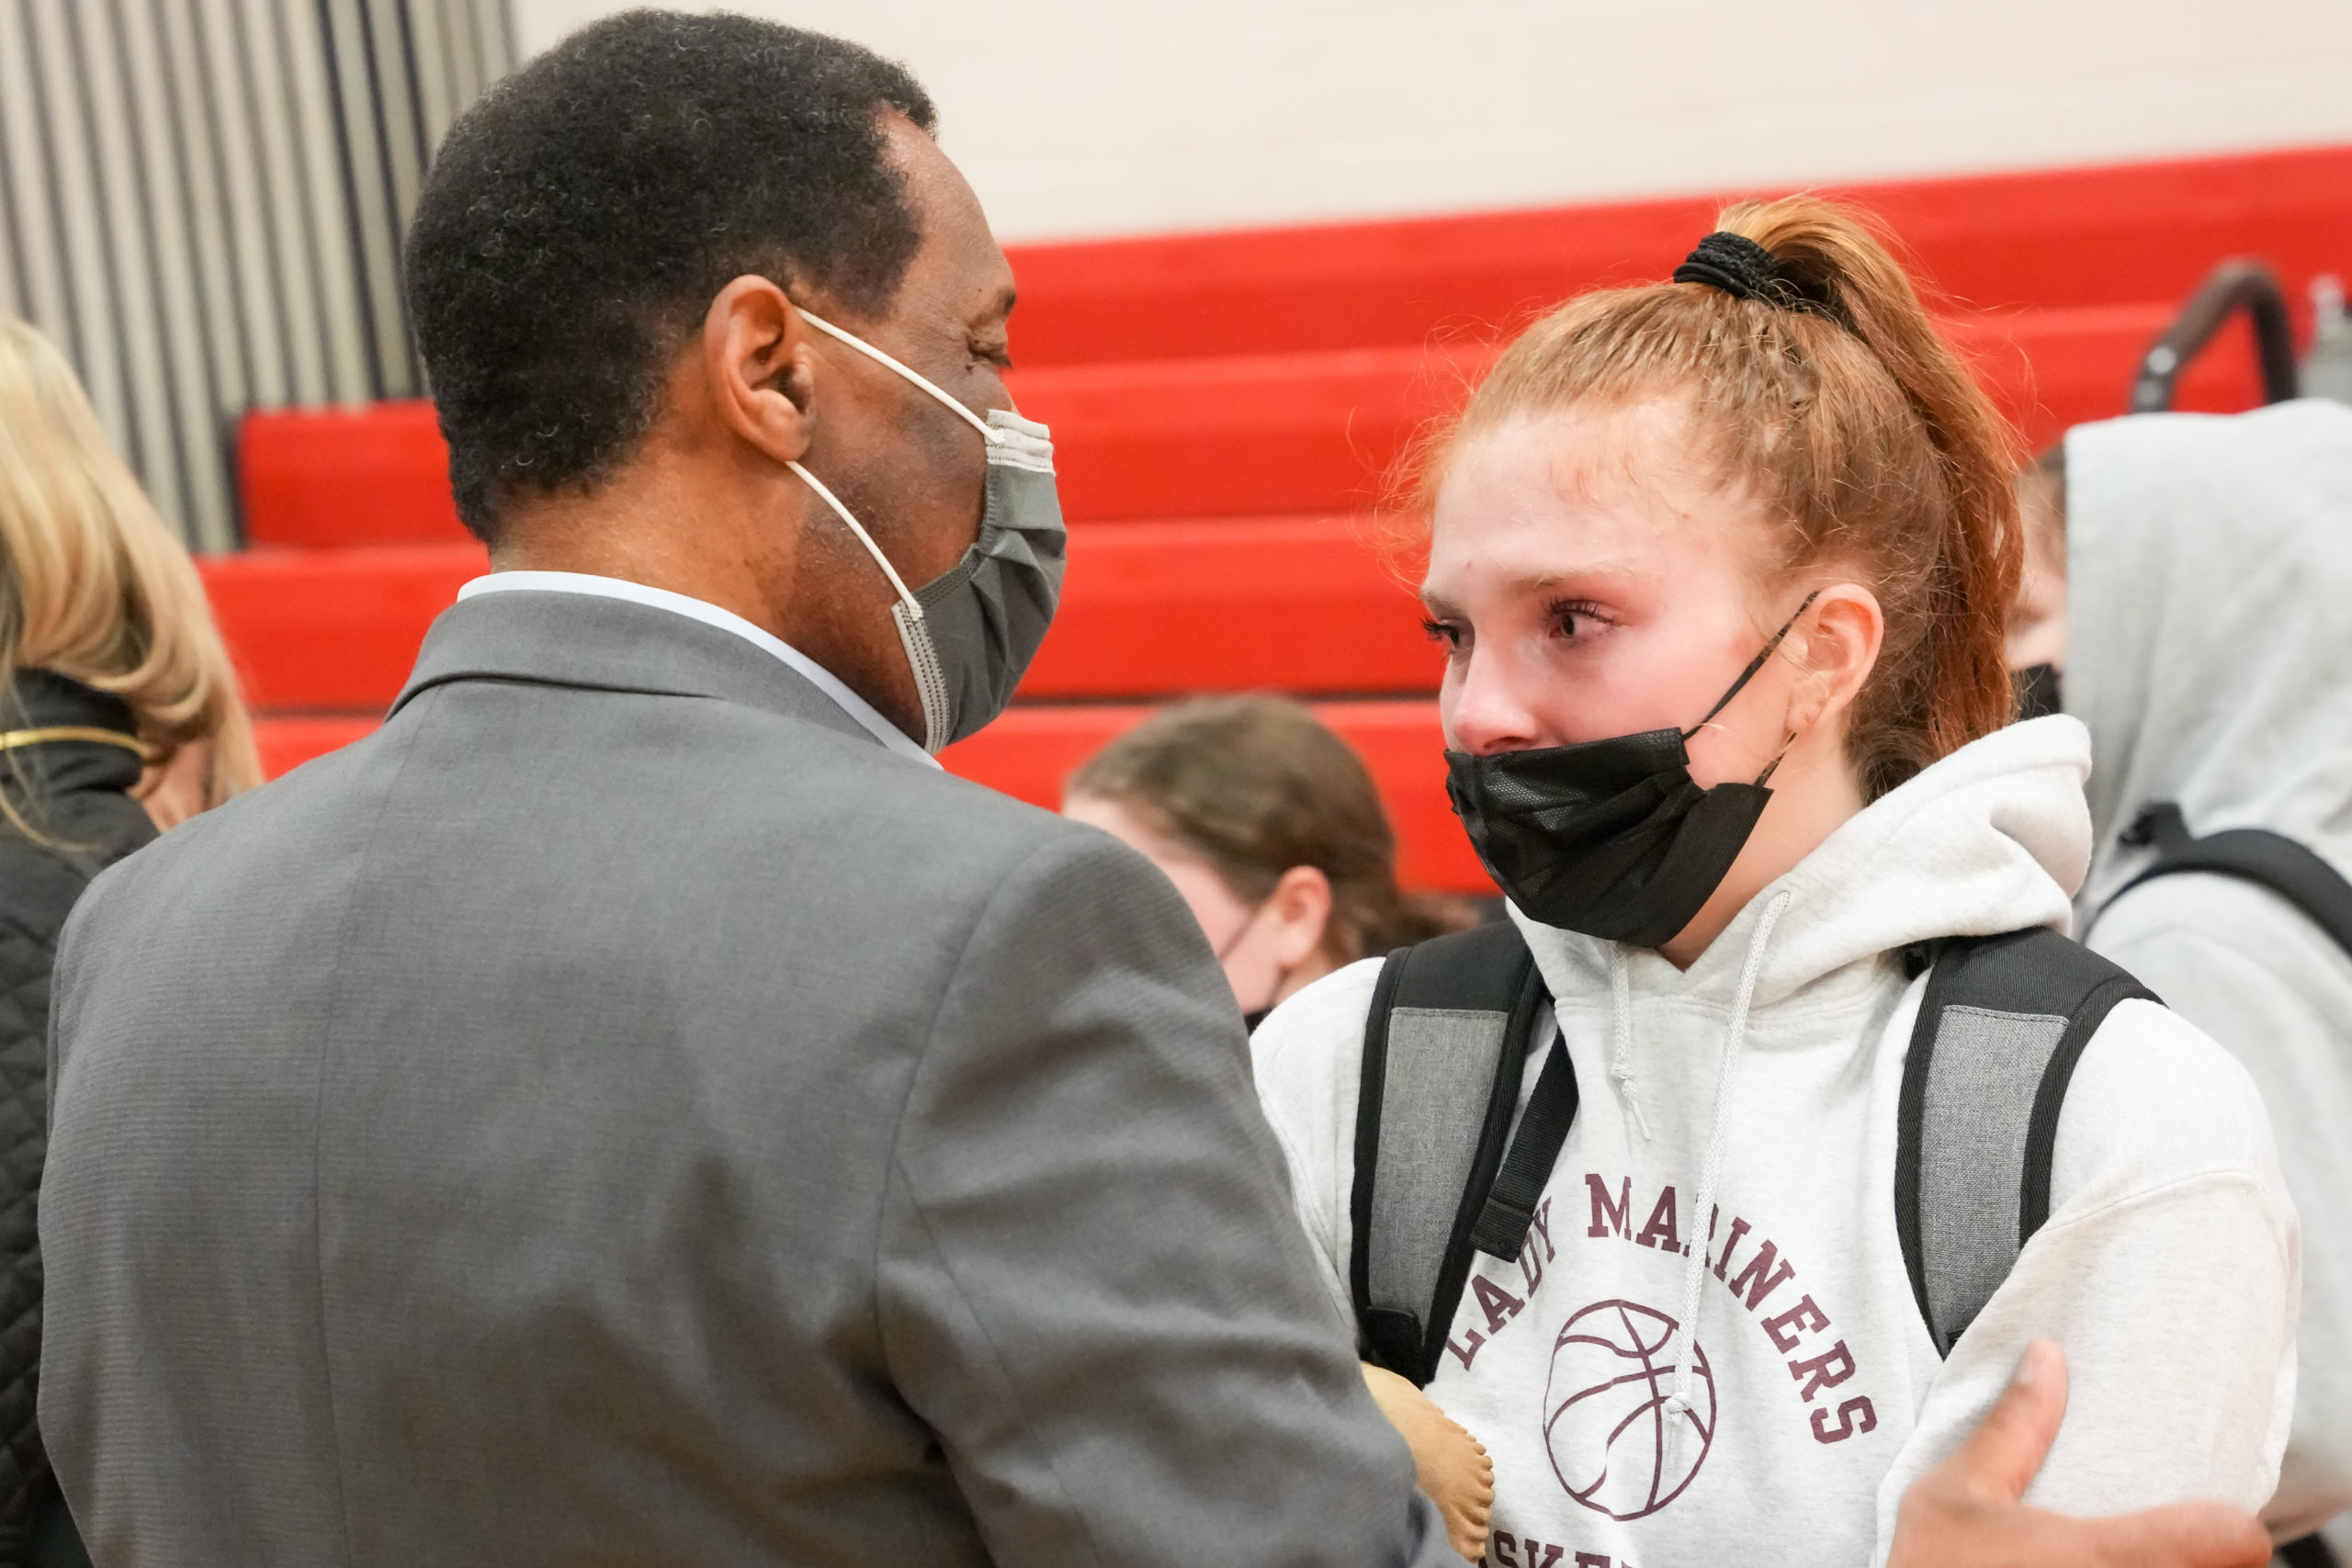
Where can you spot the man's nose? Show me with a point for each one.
(1487, 710)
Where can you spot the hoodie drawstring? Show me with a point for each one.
(1621, 1050)
(1735, 1038)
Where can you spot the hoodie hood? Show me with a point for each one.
(2209, 559)
(1994, 838)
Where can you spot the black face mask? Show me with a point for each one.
(2038, 693)
(1611, 838)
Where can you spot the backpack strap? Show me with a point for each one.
(2251, 854)
(2311, 1551)
(2002, 1024)
(1509, 1209)
(1445, 1051)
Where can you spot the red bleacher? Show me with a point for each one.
(1227, 409)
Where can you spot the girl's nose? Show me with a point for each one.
(1483, 710)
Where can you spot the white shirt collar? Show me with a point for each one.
(709, 614)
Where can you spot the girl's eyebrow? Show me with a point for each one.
(1611, 572)
(1600, 574)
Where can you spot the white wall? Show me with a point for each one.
(1093, 116)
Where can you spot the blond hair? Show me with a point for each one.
(94, 586)
(1844, 412)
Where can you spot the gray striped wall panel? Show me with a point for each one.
(202, 202)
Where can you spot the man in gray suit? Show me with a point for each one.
(635, 1109)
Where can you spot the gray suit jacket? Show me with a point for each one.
(619, 1113)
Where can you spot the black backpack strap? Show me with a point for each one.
(2251, 854)
(1510, 1208)
(2002, 1024)
(2310, 1551)
(1445, 1051)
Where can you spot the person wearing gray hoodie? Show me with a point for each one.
(2190, 584)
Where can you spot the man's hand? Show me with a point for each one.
(1965, 1513)
(1451, 1464)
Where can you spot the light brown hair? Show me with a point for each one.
(1851, 419)
(94, 586)
(1255, 786)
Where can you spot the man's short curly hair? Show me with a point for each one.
(578, 219)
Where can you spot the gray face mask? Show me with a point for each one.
(971, 633)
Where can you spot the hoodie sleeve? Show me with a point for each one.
(2241, 963)
(2169, 1273)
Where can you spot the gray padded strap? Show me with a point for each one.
(2001, 1025)
(1445, 1042)
(1982, 1078)
(1441, 1070)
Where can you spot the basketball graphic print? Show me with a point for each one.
(1615, 1444)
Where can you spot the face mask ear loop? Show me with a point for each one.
(1234, 941)
(1774, 765)
(1749, 673)
(1248, 924)
(913, 605)
(989, 433)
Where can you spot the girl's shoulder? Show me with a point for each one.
(2154, 1101)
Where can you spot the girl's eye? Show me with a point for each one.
(1575, 617)
(1438, 631)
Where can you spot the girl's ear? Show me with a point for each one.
(1300, 907)
(1841, 636)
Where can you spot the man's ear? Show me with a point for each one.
(1842, 634)
(760, 368)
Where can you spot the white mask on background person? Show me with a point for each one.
(971, 633)
(1251, 1017)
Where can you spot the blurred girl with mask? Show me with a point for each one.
(1271, 829)
(118, 717)
(2191, 579)
(1721, 569)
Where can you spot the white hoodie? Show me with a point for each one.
(2209, 563)
(2167, 1269)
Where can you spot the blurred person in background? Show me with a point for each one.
(1271, 829)
(2037, 629)
(1274, 832)
(119, 718)
(2186, 600)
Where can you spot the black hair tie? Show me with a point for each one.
(1746, 270)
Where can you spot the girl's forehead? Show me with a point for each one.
(1612, 488)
